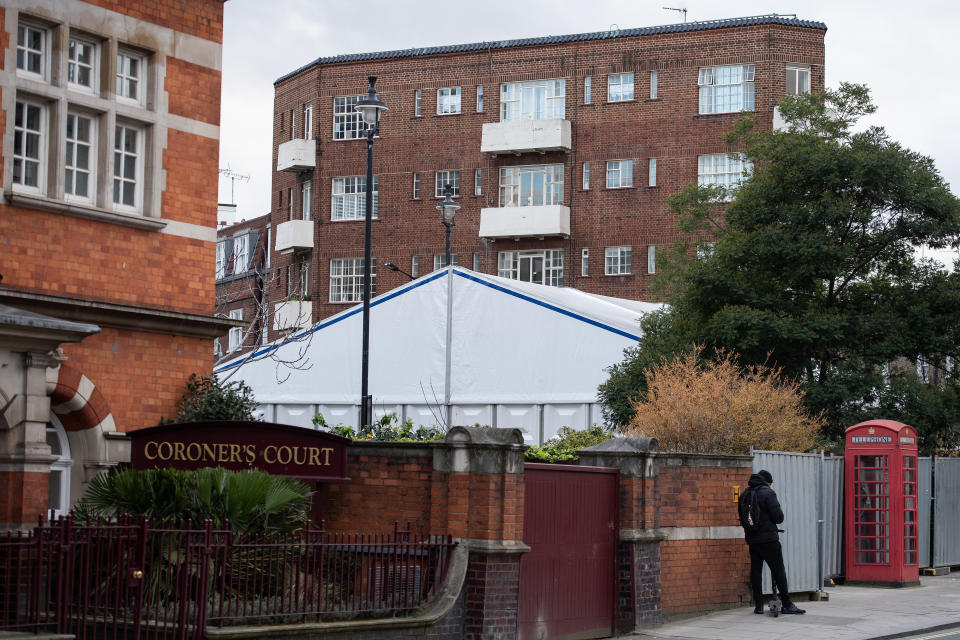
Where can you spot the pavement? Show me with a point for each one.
(851, 613)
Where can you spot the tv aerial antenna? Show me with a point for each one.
(234, 176)
(683, 11)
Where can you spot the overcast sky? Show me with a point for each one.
(904, 51)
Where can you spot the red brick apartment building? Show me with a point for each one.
(110, 115)
(561, 151)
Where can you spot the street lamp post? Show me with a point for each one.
(448, 209)
(370, 109)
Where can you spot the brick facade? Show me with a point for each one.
(668, 128)
(253, 291)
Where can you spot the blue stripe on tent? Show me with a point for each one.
(546, 305)
(335, 320)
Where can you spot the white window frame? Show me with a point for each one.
(59, 468)
(800, 83)
(266, 254)
(445, 177)
(43, 52)
(533, 100)
(616, 260)
(479, 98)
(727, 88)
(138, 168)
(93, 67)
(619, 174)
(727, 170)
(620, 87)
(416, 185)
(440, 260)
(418, 103)
(91, 169)
(449, 100)
(415, 266)
(240, 260)
(122, 77)
(478, 182)
(290, 204)
(544, 182)
(308, 121)
(221, 269)
(654, 85)
(349, 196)
(235, 334)
(586, 176)
(346, 279)
(652, 172)
(508, 265)
(587, 90)
(651, 259)
(19, 154)
(347, 121)
(306, 204)
(585, 262)
(476, 261)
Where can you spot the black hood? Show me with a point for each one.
(757, 481)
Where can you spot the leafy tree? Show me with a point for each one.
(250, 501)
(713, 406)
(207, 398)
(813, 267)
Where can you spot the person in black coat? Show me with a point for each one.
(764, 541)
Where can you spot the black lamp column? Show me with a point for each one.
(370, 108)
(448, 209)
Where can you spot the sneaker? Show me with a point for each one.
(794, 609)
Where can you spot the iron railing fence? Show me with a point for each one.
(150, 580)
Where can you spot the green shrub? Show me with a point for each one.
(386, 429)
(209, 399)
(563, 446)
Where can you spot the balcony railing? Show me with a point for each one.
(525, 222)
(297, 155)
(294, 235)
(522, 136)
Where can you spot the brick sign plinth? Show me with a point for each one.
(277, 449)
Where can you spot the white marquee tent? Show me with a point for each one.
(455, 347)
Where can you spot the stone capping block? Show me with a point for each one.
(480, 450)
(495, 547)
(630, 455)
(426, 616)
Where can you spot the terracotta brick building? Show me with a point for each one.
(561, 151)
(110, 116)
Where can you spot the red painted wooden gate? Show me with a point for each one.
(568, 580)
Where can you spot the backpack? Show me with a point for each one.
(749, 507)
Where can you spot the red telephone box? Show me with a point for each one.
(880, 462)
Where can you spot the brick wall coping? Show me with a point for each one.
(682, 533)
(424, 617)
(642, 535)
(704, 25)
(481, 450)
(677, 459)
(495, 547)
(393, 449)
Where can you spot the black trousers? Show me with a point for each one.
(770, 553)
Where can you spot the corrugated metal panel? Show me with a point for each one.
(796, 479)
(924, 488)
(832, 516)
(946, 507)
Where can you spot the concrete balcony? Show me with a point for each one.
(523, 136)
(297, 155)
(294, 235)
(292, 315)
(525, 222)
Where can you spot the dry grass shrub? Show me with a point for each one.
(717, 407)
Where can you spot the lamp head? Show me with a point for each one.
(391, 266)
(371, 106)
(448, 206)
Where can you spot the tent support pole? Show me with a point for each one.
(448, 410)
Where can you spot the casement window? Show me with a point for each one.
(298, 280)
(440, 260)
(235, 335)
(306, 195)
(131, 75)
(476, 261)
(80, 160)
(415, 266)
(587, 89)
(308, 121)
(128, 167)
(616, 260)
(585, 262)
(418, 103)
(727, 89)
(82, 65)
(264, 323)
(241, 254)
(29, 146)
(652, 259)
(539, 267)
(217, 349)
(33, 42)
(652, 172)
(448, 100)
(478, 182)
(654, 89)
(416, 186)
(728, 170)
(58, 497)
(531, 186)
(349, 198)
(586, 175)
(347, 121)
(619, 174)
(346, 279)
(443, 178)
(290, 204)
(221, 259)
(479, 98)
(293, 125)
(534, 100)
(266, 254)
(798, 80)
(619, 87)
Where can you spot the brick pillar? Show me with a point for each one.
(639, 602)
(478, 497)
